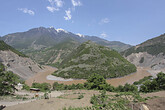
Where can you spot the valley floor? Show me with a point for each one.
(41, 77)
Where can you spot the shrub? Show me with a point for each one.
(43, 86)
(8, 81)
(155, 84)
(96, 82)
(26, 87)
(80, 96)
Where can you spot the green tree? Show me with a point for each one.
(146, 87)
(43, 86)
(161, 80)
(8, 81)
(96, 82)
(130, 88)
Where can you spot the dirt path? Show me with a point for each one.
(70, 98)
(29, 95)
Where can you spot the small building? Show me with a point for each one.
(19, 86)
(34, 90)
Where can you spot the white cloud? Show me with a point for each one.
(55, 5)
(25, 10)
(76, 3)
(104, 21)
(68, 14)
(52, 9)
(104, 35)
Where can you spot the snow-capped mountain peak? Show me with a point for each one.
(61, 30)
(80, 35)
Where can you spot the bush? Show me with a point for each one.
(26, 87)
(155, 84)
(80, 96)
(142, 80)
(43, 86)
(8, 81)
(96, 82)
(46, 95)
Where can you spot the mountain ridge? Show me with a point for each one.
(150, 53)
(38, 40)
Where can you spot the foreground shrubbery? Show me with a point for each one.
(155, 84)
(8, 81)
(96, 82)
(120, 101)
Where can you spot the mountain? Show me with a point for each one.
(45, 40)
(17, 62)
(91, 58)
(150, 53)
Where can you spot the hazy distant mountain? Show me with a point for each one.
(45, 40)
(150, 53)
(89, 58)
(17, 62)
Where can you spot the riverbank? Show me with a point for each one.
(45, 76)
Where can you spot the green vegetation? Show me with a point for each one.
(80, 96)
(43, 86)
(46, 95)
(156, 84)
(142, 80)
(8, 80)
(57, 86)
(96, 82)
(106, 102)
(126, 88)
(120, 101)
(2, 67)
(92, 58)
(48, 55)
(26, 87)
(4, 46)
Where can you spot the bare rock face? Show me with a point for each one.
(22, 66)
(143, 59)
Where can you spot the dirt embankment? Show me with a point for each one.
(41, 77)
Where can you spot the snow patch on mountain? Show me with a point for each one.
(61, 30)
(80, 35)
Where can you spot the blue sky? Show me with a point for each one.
(128, 21)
